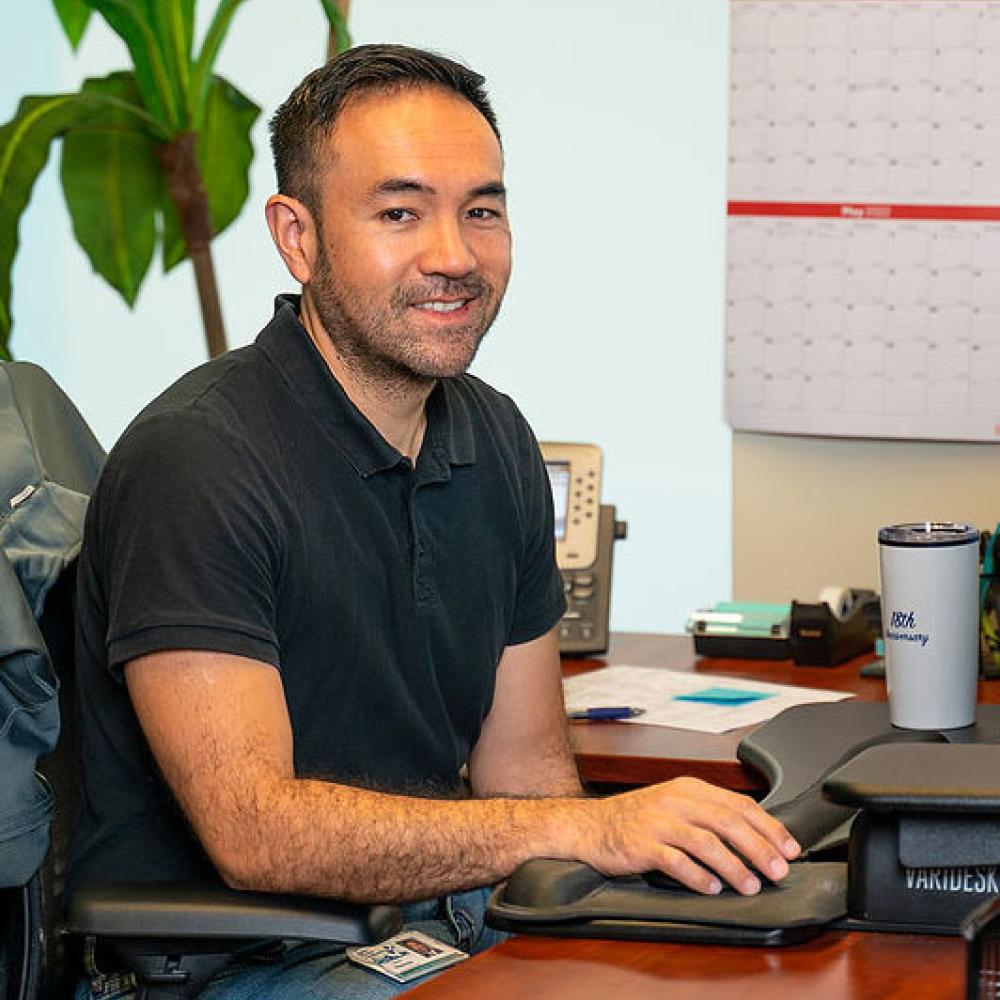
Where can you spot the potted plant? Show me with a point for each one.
(153, 156)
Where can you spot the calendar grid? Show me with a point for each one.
(863, 251)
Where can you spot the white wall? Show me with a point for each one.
(614, 122)
(806, 510)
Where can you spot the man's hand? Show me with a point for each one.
(690, 830)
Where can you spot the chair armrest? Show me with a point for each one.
(175, 936)
(189, 911)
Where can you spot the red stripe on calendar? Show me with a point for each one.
(860, 210)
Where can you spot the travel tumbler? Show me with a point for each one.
(930, 622)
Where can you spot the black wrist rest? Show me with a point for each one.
(568, 898)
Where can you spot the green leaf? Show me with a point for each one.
(74, 15)
(173, 22)
(338, 25)
(202, 75)
(133, 22)
(24, 151)
(175, 19)
(225, 153)
(113, 184)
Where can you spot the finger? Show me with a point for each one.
(770, 828)
(705, 846)
(681, 867)
(752, 812)
(756, 849)
(730, 828)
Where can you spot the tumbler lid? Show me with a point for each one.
(928, 534)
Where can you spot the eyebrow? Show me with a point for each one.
(399, 185)
(494, 189)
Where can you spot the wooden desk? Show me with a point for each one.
(855, 966)
(628, 754)
(836, 966)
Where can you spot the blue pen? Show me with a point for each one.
(605, 714)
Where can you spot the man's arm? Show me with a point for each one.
(219, 729)
(523, 748)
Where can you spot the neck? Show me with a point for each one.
(396, 407)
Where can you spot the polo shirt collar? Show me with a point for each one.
(448, 439)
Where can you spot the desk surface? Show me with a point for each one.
(630, 754)
(838, 964)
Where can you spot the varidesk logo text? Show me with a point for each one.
(972, 880)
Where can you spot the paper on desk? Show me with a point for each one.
(655, 689)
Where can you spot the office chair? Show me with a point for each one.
(173, 937)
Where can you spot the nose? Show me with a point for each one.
(447, 250)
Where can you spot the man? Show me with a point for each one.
(318, 579)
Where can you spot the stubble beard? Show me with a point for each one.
(378, 344)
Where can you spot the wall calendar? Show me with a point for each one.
(863, 247)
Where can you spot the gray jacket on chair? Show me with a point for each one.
(49, 462)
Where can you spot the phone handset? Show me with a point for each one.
(585, 534)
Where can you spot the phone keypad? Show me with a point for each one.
(585, 497)
(578, 621)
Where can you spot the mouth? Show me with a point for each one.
(442, 305)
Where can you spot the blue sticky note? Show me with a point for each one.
(724, 696)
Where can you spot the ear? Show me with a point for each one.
(294, 233)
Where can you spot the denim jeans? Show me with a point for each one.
(321, 972)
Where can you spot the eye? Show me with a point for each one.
(397, 215)
(483, 214)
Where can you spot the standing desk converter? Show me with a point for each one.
(837, 964)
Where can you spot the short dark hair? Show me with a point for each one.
(310, 113)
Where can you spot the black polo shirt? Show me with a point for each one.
(252, 509)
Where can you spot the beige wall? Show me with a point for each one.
(806, 509)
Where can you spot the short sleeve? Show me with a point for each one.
(540, 601)
(189, 544)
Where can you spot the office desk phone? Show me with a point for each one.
(586, 531)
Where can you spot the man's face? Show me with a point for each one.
(414, 246)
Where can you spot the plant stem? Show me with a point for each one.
(208, 298)
(187, 193)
